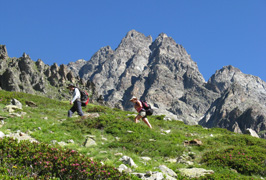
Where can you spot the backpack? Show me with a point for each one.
(147, 108)
(84, 97)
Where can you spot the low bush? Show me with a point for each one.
(33, 160)
(248, 161)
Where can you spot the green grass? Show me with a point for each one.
(49, 122)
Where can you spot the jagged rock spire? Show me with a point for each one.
(3, 52)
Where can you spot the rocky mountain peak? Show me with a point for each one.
(25, 56)
(3, 52)
(133, 41)
(228, 75)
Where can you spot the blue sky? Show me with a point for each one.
(215, 33)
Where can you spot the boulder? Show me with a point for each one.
(128, 160)
(89, 142)
(124, 168)
(2, 134)
(16, 103)
(3, 52)
(166, 171)
(194, 172)
(31, 104)
(11, 108)
(251, 132)
(194, 142)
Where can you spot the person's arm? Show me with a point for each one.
(139, 103)
(76, 95)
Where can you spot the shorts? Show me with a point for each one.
(142, 113)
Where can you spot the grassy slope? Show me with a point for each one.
(49, 122)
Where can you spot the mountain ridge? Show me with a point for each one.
(163, 73)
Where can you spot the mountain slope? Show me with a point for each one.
(168, 144)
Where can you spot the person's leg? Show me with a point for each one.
(71, 111)
(79, 108)
(137, 118)
(147, 122)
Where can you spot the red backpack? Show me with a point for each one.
(84, 97)
(147, 107)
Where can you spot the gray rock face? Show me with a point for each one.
(242, 103)
(76, 66)
(24, 75)
(161, 72)
(3, 52)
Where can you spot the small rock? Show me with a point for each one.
(2, 134)
(70, 141)
(16, 103)
(105, 139)
(2, 118)
(124, 168)
(89, 142)
(54, 141)
(172, 160)
(15, 115)
(194, 172)
(11, 108)
(128, 160)
(92, 115)
(251, 132)
(61, 143)
(146, 158)
(118, 154)
(31, 104)
(149, 173)
(167, 171)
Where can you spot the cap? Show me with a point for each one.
(70, 85)
(133, 97)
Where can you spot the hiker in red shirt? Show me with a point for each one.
(142, 113)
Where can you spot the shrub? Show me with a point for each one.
(246, 161)
(33, 160)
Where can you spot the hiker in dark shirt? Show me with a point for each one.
(75, 101)
(142, 113)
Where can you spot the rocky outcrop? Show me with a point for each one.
(242, 103)
(76, 66)
(24, 75)
(3, 52)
